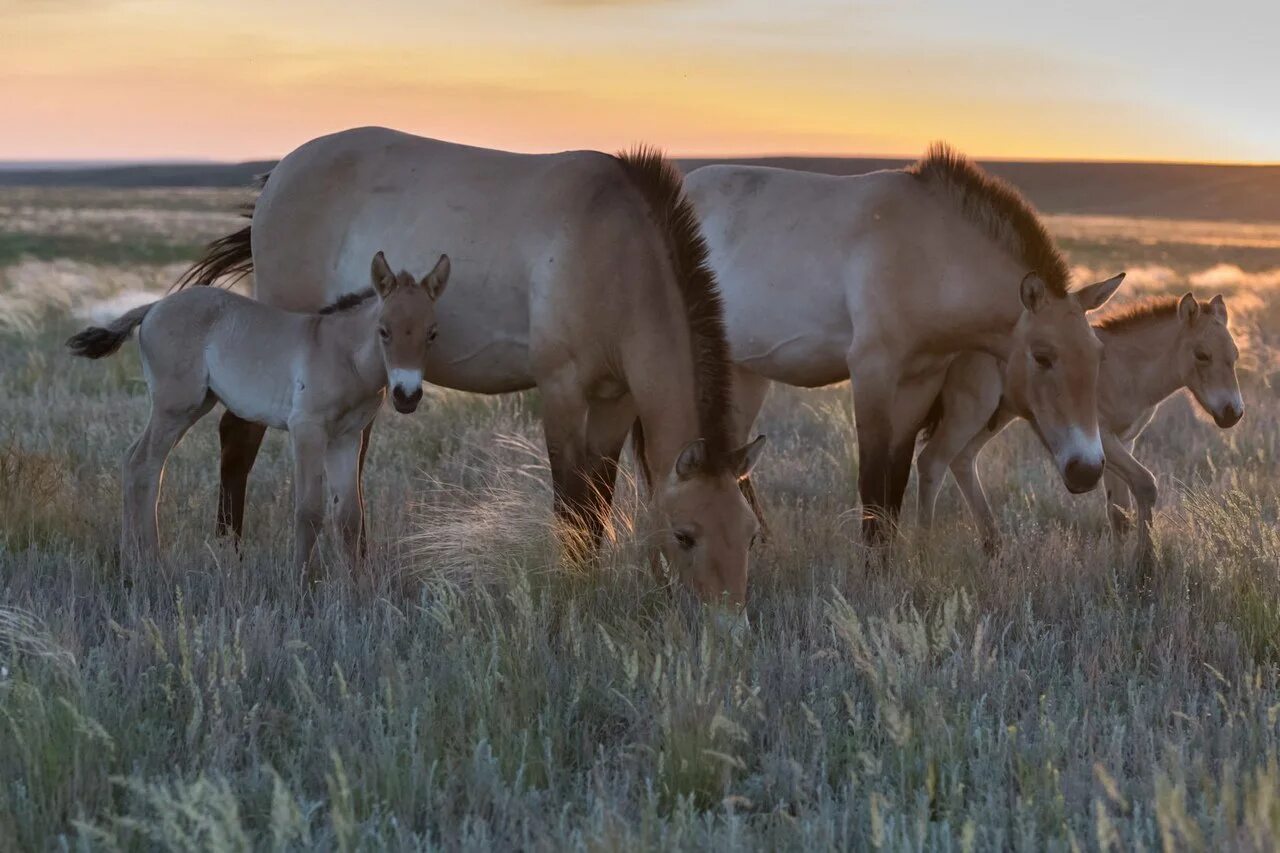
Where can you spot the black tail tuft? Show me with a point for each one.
(100, 342)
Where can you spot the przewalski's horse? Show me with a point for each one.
(1152, 349)
(883, 278)
(320, 376)
(580, 273)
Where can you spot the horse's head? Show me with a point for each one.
(1206, 358)
(407, 325)
(1052, 375)
(705, 527)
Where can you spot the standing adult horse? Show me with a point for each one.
(883, 278)
(580, 273)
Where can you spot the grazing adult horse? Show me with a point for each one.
(883, 278)
(580, 273)
(320, 376)
(1153, 348)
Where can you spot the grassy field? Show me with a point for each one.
(468, 693)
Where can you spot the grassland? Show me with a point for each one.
(468, 693)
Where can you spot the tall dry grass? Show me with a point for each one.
(468, 692)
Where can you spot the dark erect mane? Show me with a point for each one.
(998, 209)
(661, 183)
(1136, 313)
(347, 301)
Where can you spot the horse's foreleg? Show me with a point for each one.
(309, 448)
(342, 471)
(365, 438)
(749, 391)
(608, 422)
(240, 440)
(911, 406)
(874, 379)
(564, 422)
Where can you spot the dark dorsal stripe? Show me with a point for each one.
(1137, 313)
(347, 301)
(999, 209)
(662, 185)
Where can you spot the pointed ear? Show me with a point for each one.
(1188, 308)
(692, 459)
(1218, 307)
(1096, 295)
(384, 280)
(1032, 292)
(436, 280)
(742, 460)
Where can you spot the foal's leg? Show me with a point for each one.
(342, 471)
(1117, 492)
(309, 445)
(365, 438)
(749, 390)
(144, 472)
(965, 469)
(910, 409)
(1141, 482)
(240, 440)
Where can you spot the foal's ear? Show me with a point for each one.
(692, 459)
(1032, 292)
(436, 280)
(742, 460)
(384, 280)
(1096, 295)
(1188, 308)
(1218, 307)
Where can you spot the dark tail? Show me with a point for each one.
(931, 420)
(230, 256)
(99, 342)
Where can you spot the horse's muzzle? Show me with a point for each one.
(406, 404)
(1081, 475)
(1228, 416)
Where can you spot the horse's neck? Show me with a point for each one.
(353, 333)
(1139, 365)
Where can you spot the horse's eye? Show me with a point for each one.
(1203, 357)
(1044, 360)
(684, 539)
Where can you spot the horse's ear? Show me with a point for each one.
(1096, 295)
(384, 280)
(1218, 307)
(1032, 292)
(436, 280)
(1188, 308)
(692, 459)
(742, 460)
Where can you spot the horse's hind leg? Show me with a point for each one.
(240, 440)
(144, 472)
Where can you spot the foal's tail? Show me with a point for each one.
(100, 342)
(231, 255)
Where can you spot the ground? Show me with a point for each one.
(466, 692)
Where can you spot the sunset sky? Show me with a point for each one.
(235, 80)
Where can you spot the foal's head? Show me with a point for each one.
(705, 526)
(1206, 358)
(407, 325)
(1052, 375)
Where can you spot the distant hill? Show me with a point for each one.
(1168, 190)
